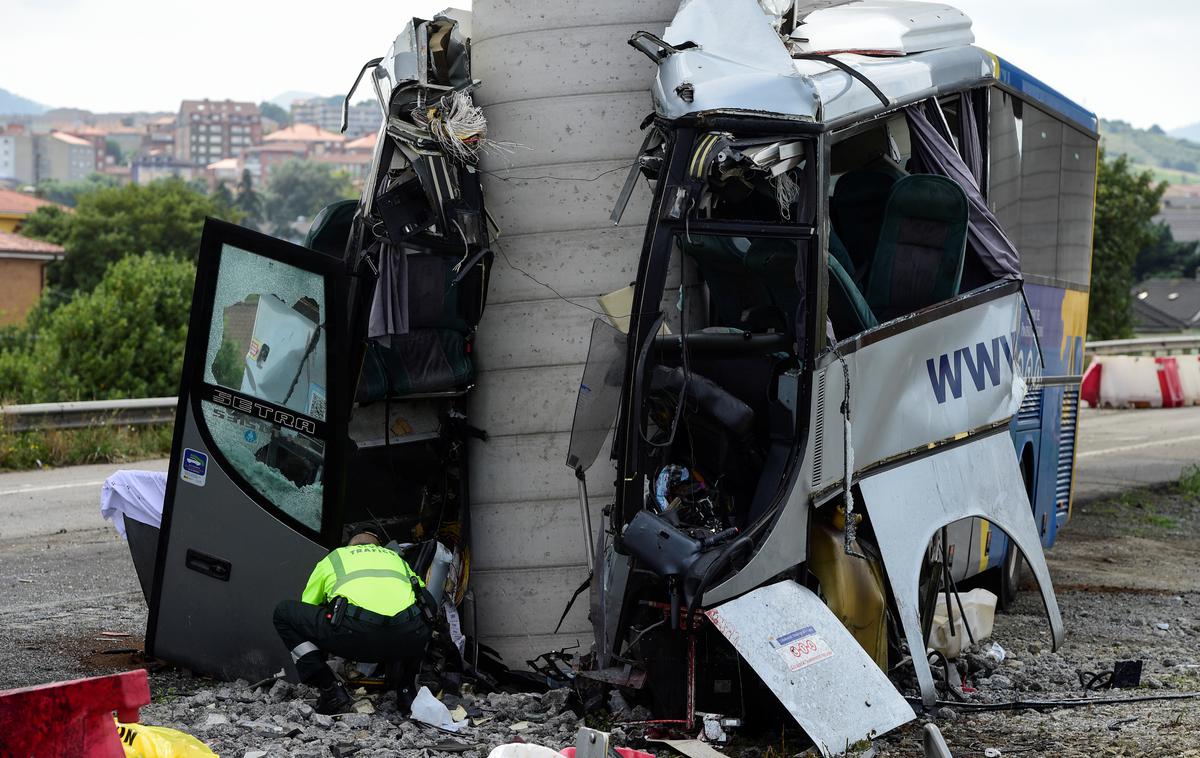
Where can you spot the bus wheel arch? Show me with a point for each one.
(1008, 578)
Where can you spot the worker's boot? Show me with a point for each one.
(334, 699)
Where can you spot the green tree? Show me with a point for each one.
(113, 149)
(275, 113)
(50, 223)
(1126, 204)
(68, 193)
(248, 201)
(1164, 257)
(301, 188)
(165, 216)
(125, 338)
(225, 203)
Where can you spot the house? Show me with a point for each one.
(1181, 212)
(228, 170)
(22, 274)
(1167, 305)
(148, 168)
(260, 159)
(355, 165)
(15, 206)
(313, 139)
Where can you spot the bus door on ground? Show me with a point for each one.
(256, 462)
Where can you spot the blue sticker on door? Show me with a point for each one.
(195, 467)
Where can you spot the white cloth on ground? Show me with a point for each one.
(137, 494)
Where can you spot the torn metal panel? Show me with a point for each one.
(808, 659)
(910, 503)
(946, 373)
(885, 27)
(753, 72)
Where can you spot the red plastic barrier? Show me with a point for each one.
(1169, 382)
(624, 752)
(1089, 390)
(71, 718)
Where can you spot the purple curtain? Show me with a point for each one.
(933, 154)
(969, 137)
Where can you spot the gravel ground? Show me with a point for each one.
(1122, 569)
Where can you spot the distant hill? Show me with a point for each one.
(15, 105)
(1191, 133)
(1173, 160)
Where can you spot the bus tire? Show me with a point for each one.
(1010, 576)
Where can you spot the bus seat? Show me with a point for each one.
(330, 228)
(856, 214)
(838, 250)
(848, 309)
(738, 294)
(774, 262)
(922, 245)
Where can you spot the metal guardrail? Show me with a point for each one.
(77, 415)
(1165, 345)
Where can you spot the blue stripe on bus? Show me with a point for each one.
(1040, 92)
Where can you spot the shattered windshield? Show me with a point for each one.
(266, 343)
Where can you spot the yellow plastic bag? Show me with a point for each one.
(141, 741)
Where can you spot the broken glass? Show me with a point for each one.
(266, 341)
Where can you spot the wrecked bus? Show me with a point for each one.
(850, 372)
(847, 372)
(324, 386)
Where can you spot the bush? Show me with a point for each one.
(109, 223)
(123, 339)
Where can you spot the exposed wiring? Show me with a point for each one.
(540, 283)
(787, 193)
(456, 123)
(548, 177)
(1017, 705)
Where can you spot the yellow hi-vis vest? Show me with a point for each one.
(369, 576)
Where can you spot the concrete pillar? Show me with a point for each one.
(560, 80)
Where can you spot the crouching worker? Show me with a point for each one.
(364, 603)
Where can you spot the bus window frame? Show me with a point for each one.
(196, 390)
(657, 250)
(1066, 123)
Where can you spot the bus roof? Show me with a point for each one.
(908, 51)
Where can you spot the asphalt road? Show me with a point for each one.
(1123, 449)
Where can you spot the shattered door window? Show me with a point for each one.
(267, 346)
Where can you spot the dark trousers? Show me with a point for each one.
(309, 636)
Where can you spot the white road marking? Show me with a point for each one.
(50, 487)
(1140, 446)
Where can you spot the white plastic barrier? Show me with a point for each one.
(1189, 377)
(1128, 381)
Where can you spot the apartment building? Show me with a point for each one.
(326, 113)
(63, 157)
(16, 157)
(207, 131)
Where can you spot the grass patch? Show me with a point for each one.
(1189, 482)
(72, 447)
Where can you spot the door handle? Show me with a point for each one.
(208, 565)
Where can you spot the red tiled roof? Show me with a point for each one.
(303, 133)
(19, 202)
(70, 139)
(16, 243)
(366, 142)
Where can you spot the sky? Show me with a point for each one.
(1131, 61)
